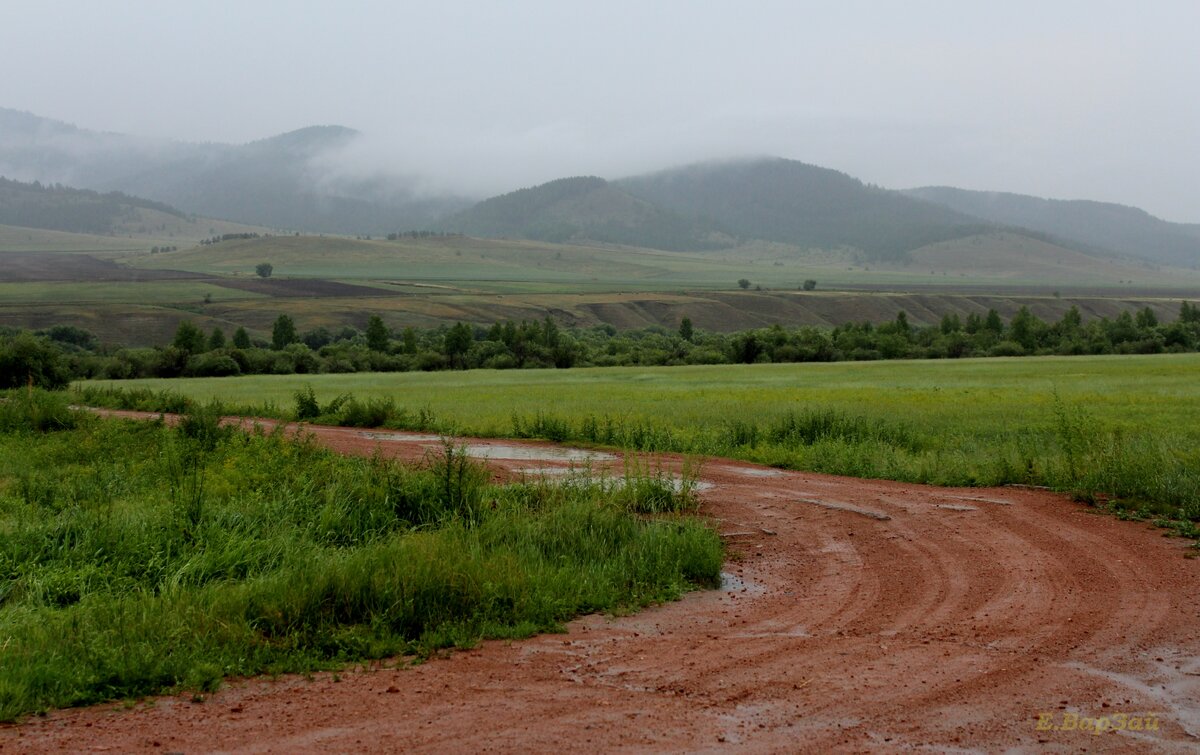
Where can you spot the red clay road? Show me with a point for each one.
(858, 616)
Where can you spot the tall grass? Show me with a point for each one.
(1077, 454)
(25, 411)
(137, 557)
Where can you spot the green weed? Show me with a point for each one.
(137, 558)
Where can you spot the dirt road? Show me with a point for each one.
(857, 616)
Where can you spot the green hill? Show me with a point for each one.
(57, 218)
(804, 205)
(582, 209)
(1111, 227)
(60, 208)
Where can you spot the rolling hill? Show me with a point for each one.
(1111, 227)
(60, 208)
(583, 209)
(804, 205)
(35, 217)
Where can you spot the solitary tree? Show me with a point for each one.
(264, 269)
(743, 283)
(283, 332)
(241, 339)
(550, 332)
(188, 338)
(458, 340)
(1072, 320)
(992, 322)
(216, 340)
(377, 334)
(685, 329)
(409, 338)
(810, 284)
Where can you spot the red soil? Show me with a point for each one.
(859, 616)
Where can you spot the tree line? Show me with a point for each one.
(55, 356)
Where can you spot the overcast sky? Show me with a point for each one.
(1088, 99)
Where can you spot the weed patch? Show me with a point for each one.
(137, 558)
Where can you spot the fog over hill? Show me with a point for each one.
(1112, 227)
(321, 179)
(286, 181)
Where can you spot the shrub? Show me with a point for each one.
(306, 403)
(213, 364)
(28, 360)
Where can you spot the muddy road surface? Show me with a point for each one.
(857, 616)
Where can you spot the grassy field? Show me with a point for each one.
(1126, 426)
(192, 293)
(136, 235)
(976, 395)
(16, 239)
(137, 558)
(436, 281)
(493, 265)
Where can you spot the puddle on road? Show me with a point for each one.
(837, 506)
(400, 437)
(500, 451)
(497, 451)
(731, 582)
(535, 453)
(757, 472)
(698, 486)
(953, 507)
(978, 499)
(548, 471)
(1171, 681)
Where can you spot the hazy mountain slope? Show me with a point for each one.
(1120, 229)
(1007, 256)
(581, 208)
(40, 149)
(791, 202)
(281, 182)
(292, 180)
(59, 208)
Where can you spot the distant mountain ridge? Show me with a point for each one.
(792, 202)
(294, 181)
(719, 205)
(1116, 228)
(283, 181)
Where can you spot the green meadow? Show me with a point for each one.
(142, 292)
(509, 266)
(1126, 427)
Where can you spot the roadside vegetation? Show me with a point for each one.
(137, 558)
(1122, 431)
(62, 353)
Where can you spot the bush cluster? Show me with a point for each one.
(52, 358)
